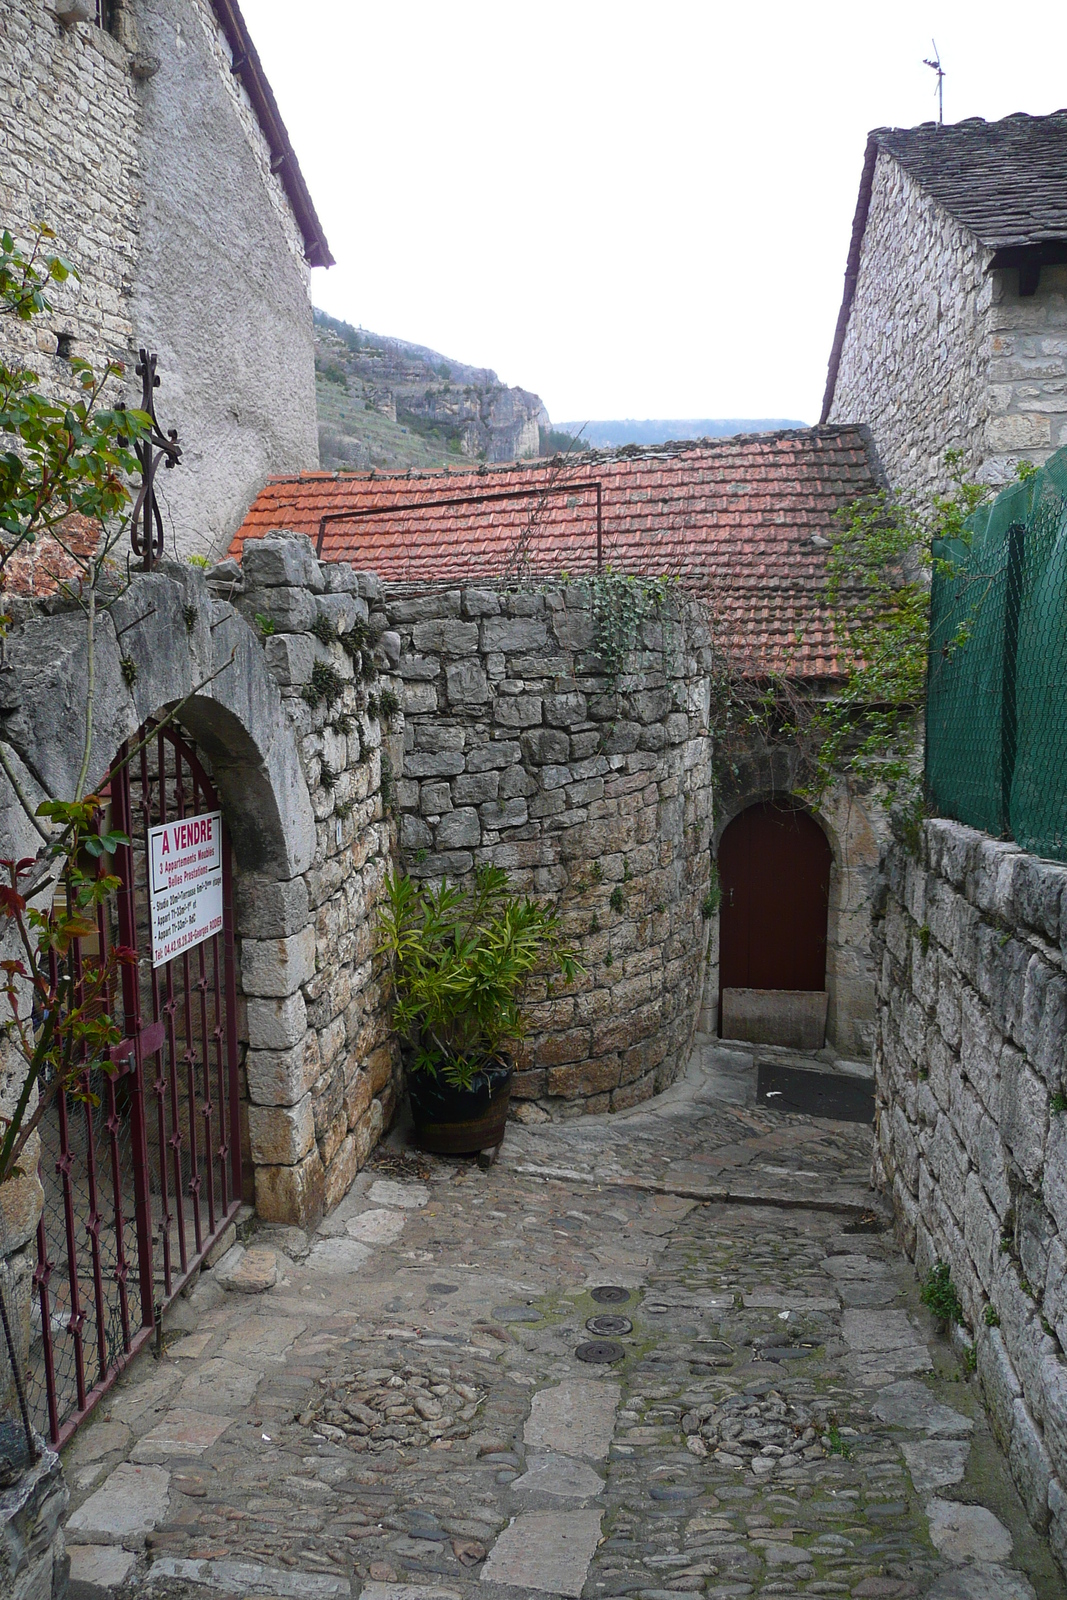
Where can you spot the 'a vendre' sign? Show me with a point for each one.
(184, 883)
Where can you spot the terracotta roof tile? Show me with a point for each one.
(733, 518)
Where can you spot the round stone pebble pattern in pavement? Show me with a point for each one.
(383, 1407)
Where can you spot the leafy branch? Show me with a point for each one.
(58, 991)
(461, 961)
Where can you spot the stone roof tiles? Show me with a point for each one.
(1006, 181)
(743, 521)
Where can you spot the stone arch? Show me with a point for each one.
(852, 827)
(164, 642)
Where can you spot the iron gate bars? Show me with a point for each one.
(473, 500)
(146, 521)
(142, 1170)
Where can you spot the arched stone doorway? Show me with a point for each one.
(774, 871)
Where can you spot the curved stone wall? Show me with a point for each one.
(591, 790)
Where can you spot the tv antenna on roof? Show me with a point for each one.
(939, 69)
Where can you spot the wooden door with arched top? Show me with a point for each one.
(774, 870)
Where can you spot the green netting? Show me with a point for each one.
(996, 718)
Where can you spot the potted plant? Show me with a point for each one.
(462, 959)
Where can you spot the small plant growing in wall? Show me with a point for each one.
(990, 1318)
(615, 899)
(265, 624)
(324, 630)
(940, 1296)
(326, 684)
(1058, 1103)
(128, 668)
(713, 899)
(388, 706)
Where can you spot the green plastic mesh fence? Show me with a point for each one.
(996, 713)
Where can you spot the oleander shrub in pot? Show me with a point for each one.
(462, 960)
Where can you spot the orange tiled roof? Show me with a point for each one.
(735, 519)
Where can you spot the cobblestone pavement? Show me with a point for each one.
(404, 1414)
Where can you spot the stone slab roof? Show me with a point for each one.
(1006, 181)
(743, 521)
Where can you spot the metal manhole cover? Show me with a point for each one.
(609, 1295)
(601, 1352)
(604, 1325)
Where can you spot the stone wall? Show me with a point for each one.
(143, 152)
(68, 156)
(1027, 372)
(594, 791)
(221, 287)
(300, 787)
(971, 1134)
(913, 365)
(321, 1068)
(941, 352)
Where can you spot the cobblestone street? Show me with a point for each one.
(405, 1413)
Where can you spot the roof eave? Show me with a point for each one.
(852, 272)
(249, 69)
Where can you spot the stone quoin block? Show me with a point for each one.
(281, 563)
(340, 611)
(277, 967)
(292, 1194)
(281, 1135)
(276, 1024)
(268, 908)
(290, 657)
(290, 610)
(283, 1077)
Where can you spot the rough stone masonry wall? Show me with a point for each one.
(321, 1068)
(300, 786)
(521, 751)
(971, 1069)
(68, 157)
(941, 352)
(142, 150)
(1027, 372)
(913, 365)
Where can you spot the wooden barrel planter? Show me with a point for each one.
(451, 1121)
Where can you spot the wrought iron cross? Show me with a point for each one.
(146, 523)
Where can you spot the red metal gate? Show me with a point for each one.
(143, 1172)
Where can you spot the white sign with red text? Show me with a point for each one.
(184, 883)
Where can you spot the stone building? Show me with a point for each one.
(146, 134)
(953, 327)
(742, 523)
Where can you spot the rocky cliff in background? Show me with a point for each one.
(386, 403)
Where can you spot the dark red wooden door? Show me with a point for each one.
(774, 868)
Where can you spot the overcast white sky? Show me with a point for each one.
(634, 209)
